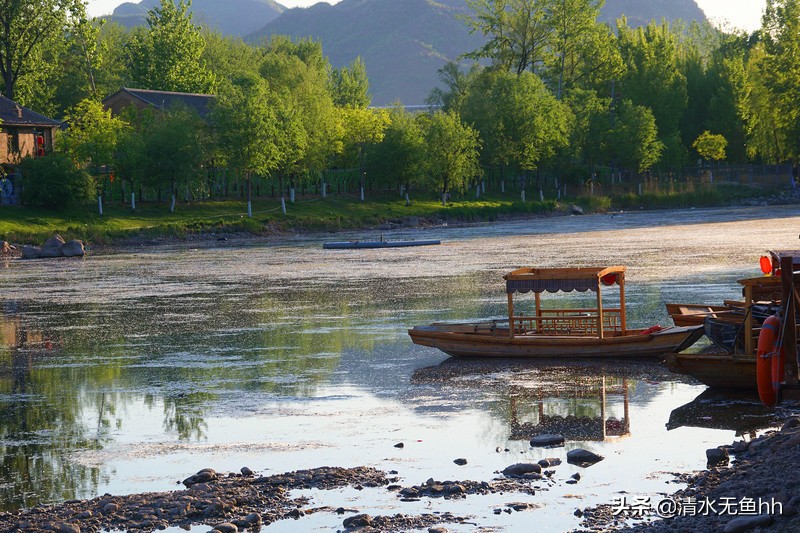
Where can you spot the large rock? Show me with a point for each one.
(52, 247)
(73, 248)
(31, 252)
(359, 520)
(203, 476)
(520, 469)
(547, 440)
(583, 457)
(717, 456)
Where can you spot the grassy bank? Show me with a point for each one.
(30, 225)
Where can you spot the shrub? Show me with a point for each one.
(54, 182)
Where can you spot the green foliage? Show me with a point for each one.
(399, 156)
(168, 57)
(634, 140)
(54, 182)
(91, 140)
(451, 152)
(350, 85)
(710, 146)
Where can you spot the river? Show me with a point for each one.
(127, 372)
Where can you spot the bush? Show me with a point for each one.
(54, 182)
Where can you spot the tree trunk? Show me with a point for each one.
(249, 196)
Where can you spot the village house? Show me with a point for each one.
(23, 132)
(161, 100)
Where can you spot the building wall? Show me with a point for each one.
(23, 139)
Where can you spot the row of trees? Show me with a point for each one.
(552, 92)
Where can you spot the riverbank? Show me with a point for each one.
(755, 492)
(153, 221)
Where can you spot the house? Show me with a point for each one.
(162, 100)
(23, 132)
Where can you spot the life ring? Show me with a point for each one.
(769, 361)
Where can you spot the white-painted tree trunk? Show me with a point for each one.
(362, 193)
(291, 195)
(523, 196)
(172, 204)
(133, 201)
(541, 195)
(483, 186)
(100, 204)
(324, 189)
(640, 189)
(249, 209)
(477, 191)
(283, 205)
(408, 200)
(503, 186)
(444, 199)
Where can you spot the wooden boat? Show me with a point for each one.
(732, 365)
(596, 332)
(694, 314)
(346, 245)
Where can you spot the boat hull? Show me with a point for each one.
(348, 245)
(723, 371)
(470, 340)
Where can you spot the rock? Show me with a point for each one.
(246, 472)
(253, 518)
(203, 476)
(790, 424)
(110, 508)
(226, 527)
(576, 209)
(399, 445)
(73, 248)
(460, 461)
(31, 252)
(68, 528)
(437, 529)
(547, 440)
(455, 488)
(411, 222)
(576, 476)
(5, 248)
(52, 247)
(746, 523)
(549, 462)
(359, 520)
(295, 513)
(717, 456)
(520, 469)
(582, 457)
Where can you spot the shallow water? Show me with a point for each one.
(128, 372)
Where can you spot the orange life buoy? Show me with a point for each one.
(769, 361)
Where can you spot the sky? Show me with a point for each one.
(742, 14)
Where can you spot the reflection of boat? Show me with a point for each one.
(587, 332)
(346, 245)
(738, 411)
(722, 370)
(581, 425)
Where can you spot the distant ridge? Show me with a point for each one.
(231, 17)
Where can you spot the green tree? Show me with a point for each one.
(451, 152)
(653, 79)
(350, 85)
(710, 146)
(174, 146)
(26, 27)
(400, 155)
(55, 182)
(361, 127)
(635, 144)
(518, 32)
(780, 69)
(456, 86)
(168, 56)
(246, 125)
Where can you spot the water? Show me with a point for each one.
(128, 372)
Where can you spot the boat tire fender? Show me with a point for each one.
(769, 361)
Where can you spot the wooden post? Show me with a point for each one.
(790, 337)
(748, 321)
(623, 321)
(538, 312)
(510, 314)
(599, 310)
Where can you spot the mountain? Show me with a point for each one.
(405, 42)
(231, 17)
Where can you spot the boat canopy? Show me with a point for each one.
(563, 279)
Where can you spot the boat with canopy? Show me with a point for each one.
(594, 332)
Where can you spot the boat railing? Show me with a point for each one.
(568, 322)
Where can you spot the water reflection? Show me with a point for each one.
(580, 400)
(741, 412)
